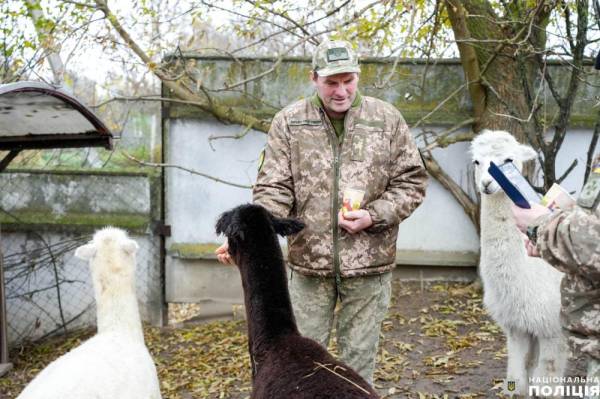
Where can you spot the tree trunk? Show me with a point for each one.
(47, 42)
(502, 66)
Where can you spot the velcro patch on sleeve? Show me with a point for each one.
(590, 195)
(337, 54)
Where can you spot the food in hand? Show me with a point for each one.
(352, 200)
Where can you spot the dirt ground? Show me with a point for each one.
(437, 340)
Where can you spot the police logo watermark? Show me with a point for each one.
(577, 387)
(511, 386)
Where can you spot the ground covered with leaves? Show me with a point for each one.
(437, 342)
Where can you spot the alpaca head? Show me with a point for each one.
(499, 147)
(111, 254)
(253, 222)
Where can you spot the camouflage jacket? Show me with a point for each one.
(570, 241)
(306, 170)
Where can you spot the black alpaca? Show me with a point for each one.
(284, 364)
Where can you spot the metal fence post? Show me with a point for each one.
(5, 366)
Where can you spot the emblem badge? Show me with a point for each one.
(358, 147)
(590, 195)
(511, 386)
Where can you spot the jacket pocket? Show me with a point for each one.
(370, 145)
(367, 162)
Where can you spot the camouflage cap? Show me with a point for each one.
(333, 57)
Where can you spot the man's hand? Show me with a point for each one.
(223, 254)
(354, 221)
(526, 217)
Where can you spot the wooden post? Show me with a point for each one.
(5, 366)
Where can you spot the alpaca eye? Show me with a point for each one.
(508, 160)
(475, 162)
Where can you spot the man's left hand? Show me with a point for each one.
(355, 221)
(531, 249)
(525, 217)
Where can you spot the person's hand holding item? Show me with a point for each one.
(352, 200)
(354, 221)
(223, 254)
(526, 217)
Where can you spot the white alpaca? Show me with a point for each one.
(521, 293)
(115, 363)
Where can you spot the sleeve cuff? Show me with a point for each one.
(382, 214)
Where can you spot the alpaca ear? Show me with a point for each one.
(526, 152)
(85, 252)
(228, 224)
(224, 223)
(130, 247)
(286, 227)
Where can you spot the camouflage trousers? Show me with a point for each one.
(593, 373)
(362, 304)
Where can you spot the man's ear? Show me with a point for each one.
(313, 76)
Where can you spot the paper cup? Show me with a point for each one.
(352, 199)
(557, 197)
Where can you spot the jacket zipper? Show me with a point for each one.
(335, 146)
(336, 253)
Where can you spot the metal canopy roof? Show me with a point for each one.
(36, 115)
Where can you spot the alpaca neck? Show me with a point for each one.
(117, 310)
(500, 238)
(268, 305)
(496, 216)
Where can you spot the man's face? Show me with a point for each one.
(336, 91)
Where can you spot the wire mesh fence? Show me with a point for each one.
(44, 217)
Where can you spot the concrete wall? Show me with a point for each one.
(195, 202)
(413, 86)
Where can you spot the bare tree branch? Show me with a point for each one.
(270, 36)
(592, 149)
(445, 180)
(192, 171)
(242, 134)
(215, 108)
(443, 139)
(567, 172)
(286, 17)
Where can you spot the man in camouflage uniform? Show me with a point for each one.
(318, 148)
(570, 241)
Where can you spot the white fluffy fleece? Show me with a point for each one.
(521, 293)
(115, 363)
